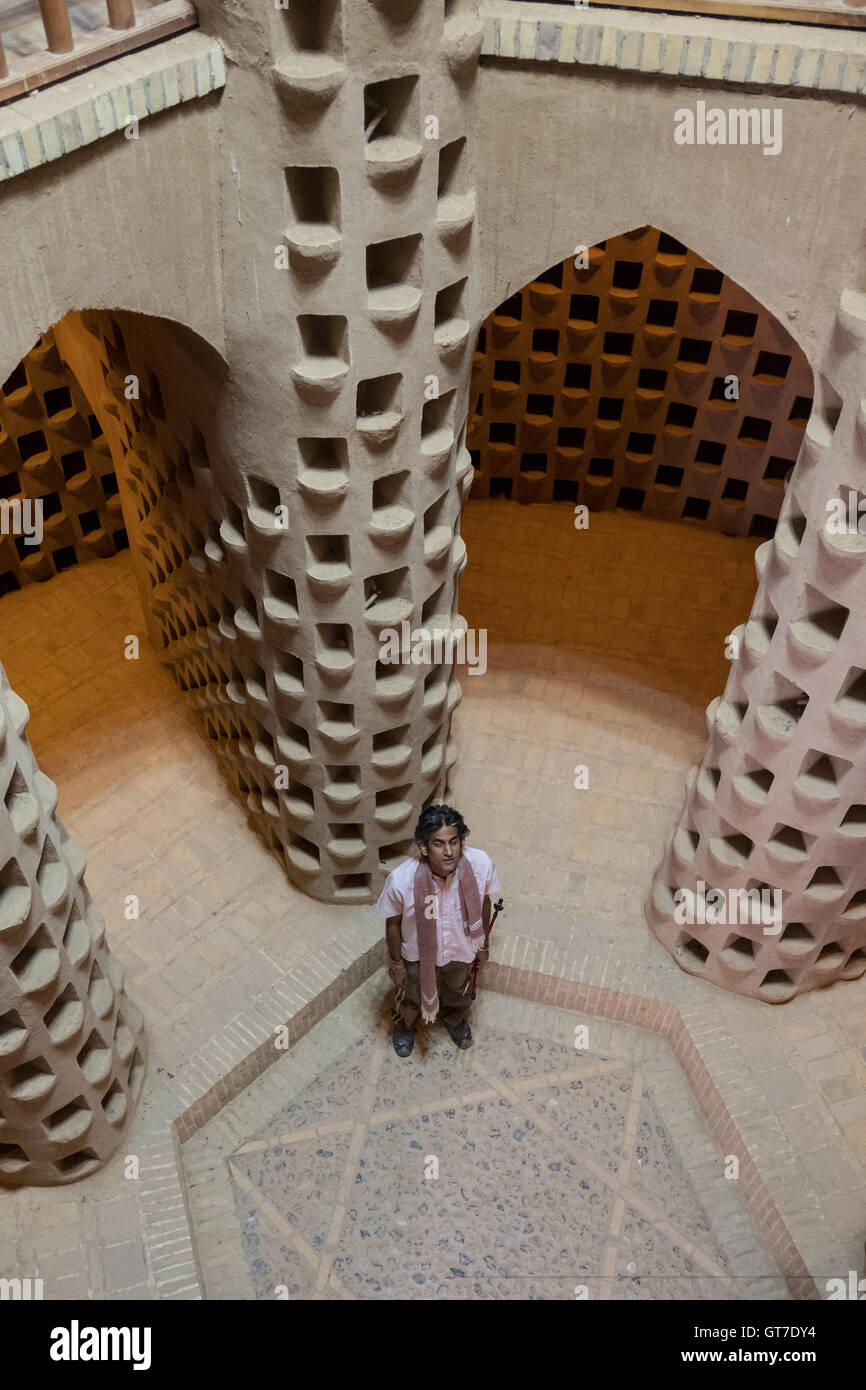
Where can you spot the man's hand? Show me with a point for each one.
(482, 954)
(397, 973)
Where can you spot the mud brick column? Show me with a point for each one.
(349, 253)
(779, 799)
(72, 1049)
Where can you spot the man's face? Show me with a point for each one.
(443, 850)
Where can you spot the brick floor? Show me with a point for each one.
(224, 947)
(632, 693)
(140, 791)
(553, 1168)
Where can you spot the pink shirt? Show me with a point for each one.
(398, 897)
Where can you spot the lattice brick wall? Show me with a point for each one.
(607, 386)
(53, 449)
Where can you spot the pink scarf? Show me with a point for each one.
(426, 905)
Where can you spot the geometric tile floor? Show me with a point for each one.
(519, 1169)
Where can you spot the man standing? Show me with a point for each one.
(437, 911)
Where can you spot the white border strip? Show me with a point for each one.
(44, 126)
(675, 45)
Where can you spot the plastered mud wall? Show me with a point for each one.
(120, 222)
(787, 228)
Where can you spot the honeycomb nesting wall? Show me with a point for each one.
(72, 1048)
(52, 449)
(779, 799)
(375, 106)
(606, 386)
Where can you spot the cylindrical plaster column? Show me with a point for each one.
(778, 804)
(72, 1048)
(335, 467)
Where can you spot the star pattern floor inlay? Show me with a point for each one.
(520, 1168)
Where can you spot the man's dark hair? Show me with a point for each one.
(432, 818)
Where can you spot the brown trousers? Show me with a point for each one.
(454, 1004)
